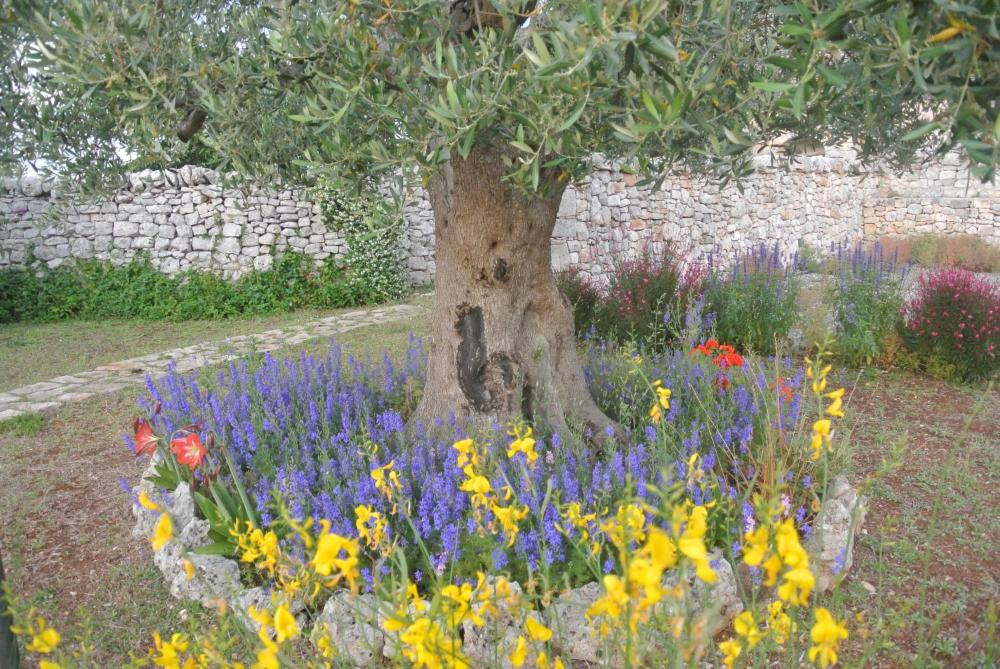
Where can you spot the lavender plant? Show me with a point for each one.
(866, 301)
(308, 435)
(754, 300)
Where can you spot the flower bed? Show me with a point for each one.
(304, 472)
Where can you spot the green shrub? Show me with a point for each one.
(285, 286)
(373, 230)
(333, 288)
(755, 304)
(25, 425)
(134, 290)
(19, 290)
(93, 289)
(202, 296)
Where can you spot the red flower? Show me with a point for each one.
(721, 382)
(783, 389)
(189, 450)
(145, 440)
(728, 359)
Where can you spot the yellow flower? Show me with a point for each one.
(826, 636)
(167, 653)
(426, 645)
(328, 560)
(731, 650)
(324, 644)
(626, 526)
(146, 502)
(267, 657)
(523, 443)
(745, 627)
(520, 653)
(655, 415)
(370, 524)
(456, 602)
(579, 520)
(537, 631)
(509, 517)
(821, 436)
(258, 547)
(660, 549)
(285, 626)
(46, 664)
(836, 406)
(692, 543)
(44, 639)
(778, 622)
(755, 548)
(613, 602)
(386, 480)
(163, 532)
(476, 484)
(466, 453)
(663, 396)
(188, 569)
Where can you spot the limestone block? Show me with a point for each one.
(125, 228)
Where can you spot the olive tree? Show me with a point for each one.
(496, 107)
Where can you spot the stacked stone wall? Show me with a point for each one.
(189, 219)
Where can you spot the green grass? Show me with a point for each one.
(25, 425)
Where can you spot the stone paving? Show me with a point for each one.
(117, 375)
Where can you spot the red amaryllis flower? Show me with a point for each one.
(707, 347)
(728, 359)
(189, 450)
(145, 440)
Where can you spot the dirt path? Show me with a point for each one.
(932, 548)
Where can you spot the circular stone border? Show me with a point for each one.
(215, 579)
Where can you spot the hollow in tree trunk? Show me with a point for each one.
(502, 333)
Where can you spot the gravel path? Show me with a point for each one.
(117, 375)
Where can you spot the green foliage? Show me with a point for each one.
(866, 302)
(866, 315)
(754, 305)
(95, 290)
(361, 87)
(373, 231)
(25, 425)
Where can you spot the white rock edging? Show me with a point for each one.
(832, 540)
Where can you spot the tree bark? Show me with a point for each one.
(502, 343)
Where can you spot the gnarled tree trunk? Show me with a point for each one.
(502, 333)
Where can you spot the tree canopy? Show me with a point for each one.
(361, 87)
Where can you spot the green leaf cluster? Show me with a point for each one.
(363, 87)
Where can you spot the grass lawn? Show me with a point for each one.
(32, 352)
(919, 595)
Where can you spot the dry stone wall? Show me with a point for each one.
(188, 219)
(183, 220)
